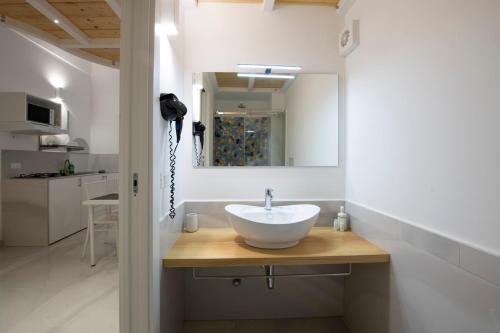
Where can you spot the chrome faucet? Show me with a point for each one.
(268, 198)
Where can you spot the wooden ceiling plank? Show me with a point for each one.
(52, 14)
(269, 83)
(103, 33)
(98, 43)
(23, 12)
(83, 53)
(84, 10)
(28, 29)
(228, 79)
(268, 5)
(110, 54)
(116, 7)
(96, 23)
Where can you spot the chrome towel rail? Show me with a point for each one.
(269, 275)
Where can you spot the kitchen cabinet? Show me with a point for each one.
(112, 182)
(64, 207)
(39, 212)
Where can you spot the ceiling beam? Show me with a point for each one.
(27, 29)
(53, 14)
(268, 5)
(115, 6)
(344, 5)
(287, 85)
(251, 83)
(97, 43)
(213, 81)
(93, 58)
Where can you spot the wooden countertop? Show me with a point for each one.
(222, 247)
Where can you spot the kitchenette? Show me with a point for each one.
(43, 187)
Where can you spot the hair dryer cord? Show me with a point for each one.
(172, 171)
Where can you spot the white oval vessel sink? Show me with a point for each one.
(278, 228)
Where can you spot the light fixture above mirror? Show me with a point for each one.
(276, 67)
(268, 76)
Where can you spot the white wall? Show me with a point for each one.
(167, 286)
(217, 38)
(171, 81)
(423, 119)
(312, 136)
(33, 66)
(104, 132)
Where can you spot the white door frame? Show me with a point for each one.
(136, 105)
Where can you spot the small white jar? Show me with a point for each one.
(191, 222)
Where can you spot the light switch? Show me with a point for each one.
(15, 165)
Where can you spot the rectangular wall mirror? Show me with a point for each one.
(265, 122)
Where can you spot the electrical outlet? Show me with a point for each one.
(15, 165)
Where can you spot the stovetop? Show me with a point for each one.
(39, 175)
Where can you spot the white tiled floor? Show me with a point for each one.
(292, 325)
(52, 289)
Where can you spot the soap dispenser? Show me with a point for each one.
(342, 220)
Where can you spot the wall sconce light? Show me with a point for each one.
(58, 98)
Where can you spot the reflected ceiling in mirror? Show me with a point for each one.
(288, 121)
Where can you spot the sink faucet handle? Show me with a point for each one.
(269, 192)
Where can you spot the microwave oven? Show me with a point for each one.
(41, 114)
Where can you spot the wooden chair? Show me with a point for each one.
(98, 220)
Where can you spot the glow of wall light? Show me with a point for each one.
(56, 80)
(166, 29)
(197, 88)
(196, 103)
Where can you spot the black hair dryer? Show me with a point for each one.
(173, 110)
(199, 130)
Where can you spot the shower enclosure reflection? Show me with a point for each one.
(256, 122)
